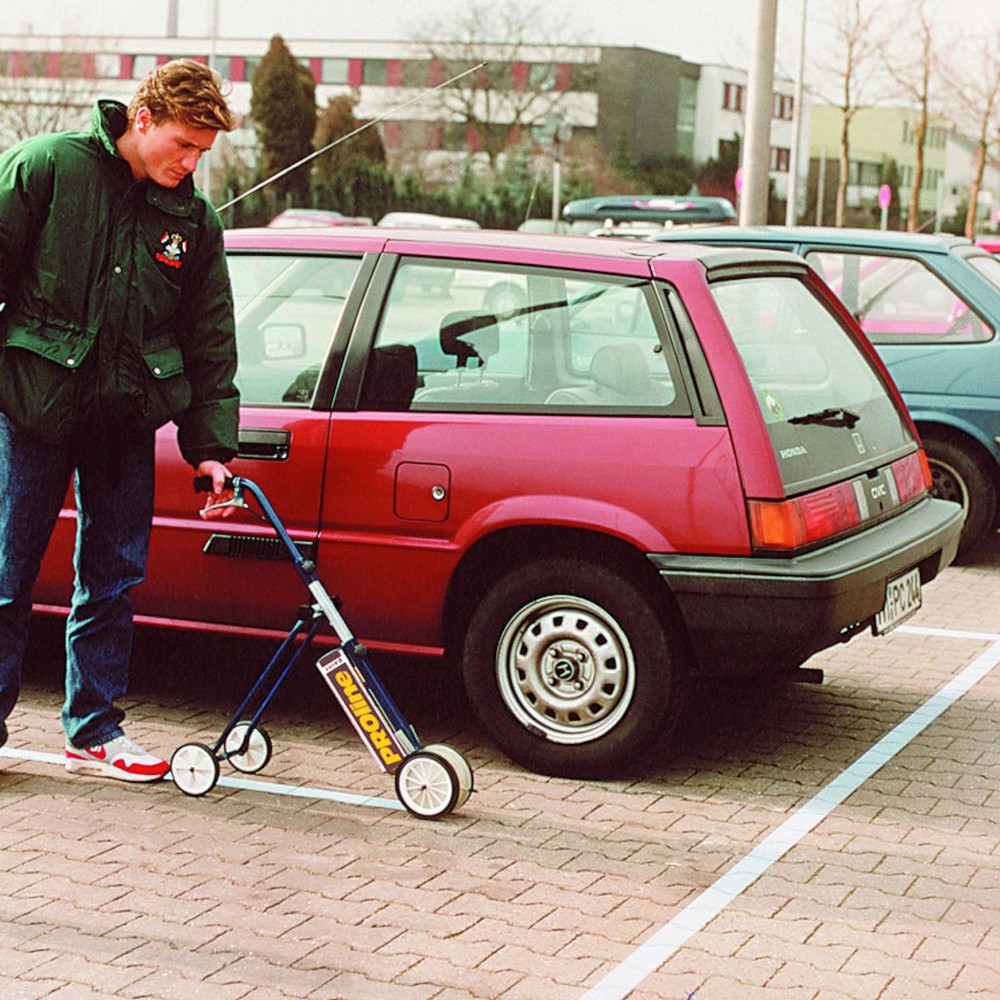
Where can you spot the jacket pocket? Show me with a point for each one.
(167, 388)
(37, 394)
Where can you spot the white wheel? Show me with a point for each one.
(427, 785)
(257, 753)
(461, 767)
(194, 769)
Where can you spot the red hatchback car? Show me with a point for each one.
(584, 470)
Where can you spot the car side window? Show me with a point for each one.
(287, 310)
(492, 338)
(899, 299)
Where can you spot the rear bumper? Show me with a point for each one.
(753, 614)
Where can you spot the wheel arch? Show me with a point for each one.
(969, 440)
(497, 553)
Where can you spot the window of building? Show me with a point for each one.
(583, 77)
(541, 77)
(732, 96)
(454, 136)
(864, 174)
(141, 65)
(35, 64)
(224, 66)
(686, 113)
(374, 72)
(780, 159)
(108, 65)
(333, 71)
(416, 73)
(783, 107)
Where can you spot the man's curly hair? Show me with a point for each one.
(185, 91)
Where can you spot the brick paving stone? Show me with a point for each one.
(484, 983)
(537, 887)
(82, 971)
(338, 956)
(293, 981)
(351, 984)
(161, 984)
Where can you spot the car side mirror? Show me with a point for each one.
(283, 341)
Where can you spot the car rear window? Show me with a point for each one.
(899, 299)
(988, 267)
(825, 406)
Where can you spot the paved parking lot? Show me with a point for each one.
(801, 840)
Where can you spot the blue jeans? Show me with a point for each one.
(114, 496)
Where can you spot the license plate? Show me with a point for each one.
(902, 599)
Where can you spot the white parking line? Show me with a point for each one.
(267, 787)
(652, 953)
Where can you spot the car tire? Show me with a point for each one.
(571, 668)
(959, 475)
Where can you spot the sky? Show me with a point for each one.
(702, 31)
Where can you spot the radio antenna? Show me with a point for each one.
(350, 135)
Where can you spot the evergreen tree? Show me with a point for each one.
(283, 108)
(352, 177)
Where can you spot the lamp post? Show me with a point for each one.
(760, 97)
(206, 158)
(791, 208)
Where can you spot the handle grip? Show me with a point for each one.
(204, 484)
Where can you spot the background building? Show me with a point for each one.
(635, 103)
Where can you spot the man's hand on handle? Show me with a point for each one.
(218, 474)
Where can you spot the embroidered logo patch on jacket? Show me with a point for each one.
(173, 246)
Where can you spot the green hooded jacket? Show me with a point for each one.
(117, 302)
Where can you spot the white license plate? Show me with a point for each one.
(902, 599)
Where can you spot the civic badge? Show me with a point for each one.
(173, 246)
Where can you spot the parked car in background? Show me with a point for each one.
(641, 215)
(668, 461)
(931, 306)
(296, 218)
(425, 220)
(991, 243)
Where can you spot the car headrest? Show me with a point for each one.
(466, 335)
(620, 367)
(391, 378)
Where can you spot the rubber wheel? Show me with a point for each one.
(257, 753)
(194, 769)
(461, 767)
(427, 785)
(572, 668)
(960, 475)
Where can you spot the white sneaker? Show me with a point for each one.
(119, 758)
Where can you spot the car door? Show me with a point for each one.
(231, 572)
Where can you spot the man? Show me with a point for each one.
(117, 318)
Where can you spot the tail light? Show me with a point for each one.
(784, 525)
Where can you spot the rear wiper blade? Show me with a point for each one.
(834, 416)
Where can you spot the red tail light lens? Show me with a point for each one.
(784, 525)
(912, 475)
(790, 524)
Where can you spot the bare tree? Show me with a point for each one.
(34, 100)
(976, 101)
(913, 76)
(855, 68)
(517, 90)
